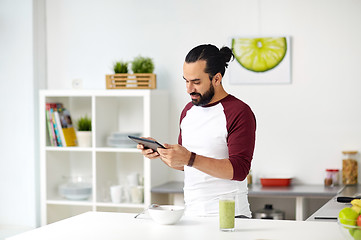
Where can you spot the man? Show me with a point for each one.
(217, 136)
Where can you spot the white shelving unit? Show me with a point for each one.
(126, 111)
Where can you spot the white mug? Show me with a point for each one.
(137, 193)
(133, 179)
(116, 193)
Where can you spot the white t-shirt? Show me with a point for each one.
(218, 130)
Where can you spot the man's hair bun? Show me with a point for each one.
(226, 54)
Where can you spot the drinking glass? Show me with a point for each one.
(226, 212)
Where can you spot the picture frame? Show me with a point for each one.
(260, 60)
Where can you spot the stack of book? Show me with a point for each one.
(60, 126)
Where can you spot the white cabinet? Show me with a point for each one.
(124, 111)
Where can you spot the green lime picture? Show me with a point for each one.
(259, 54)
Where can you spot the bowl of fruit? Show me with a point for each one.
(349, 220)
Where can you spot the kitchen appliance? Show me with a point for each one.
(268, 212)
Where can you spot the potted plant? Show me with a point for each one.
(120, 67)
(142, 77)
(84, 134)
(142, 65)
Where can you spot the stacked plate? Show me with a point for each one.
(121, 140)
(76, 188)
(75, 191)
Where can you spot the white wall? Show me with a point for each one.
(302, 127)
(17, 126)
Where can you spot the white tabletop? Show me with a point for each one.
(105, 225)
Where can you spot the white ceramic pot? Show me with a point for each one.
(84, 138)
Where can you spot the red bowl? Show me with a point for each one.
(275, 181)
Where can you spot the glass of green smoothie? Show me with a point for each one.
(226, 213)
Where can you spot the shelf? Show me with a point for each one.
(121, 205)
(68, 149)
(69, 202)
(100, 149)
(110, 149)
(111, 111)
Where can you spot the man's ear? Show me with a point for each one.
(217, 79)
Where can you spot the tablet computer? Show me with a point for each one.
(147, 143)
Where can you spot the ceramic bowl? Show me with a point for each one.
(166, 214)
(350, 230)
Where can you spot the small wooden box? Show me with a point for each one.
(131, 81)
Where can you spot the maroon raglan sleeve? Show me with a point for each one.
(241, 126)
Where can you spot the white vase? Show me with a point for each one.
(84, 138)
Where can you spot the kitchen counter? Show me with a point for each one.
(295, 191)
(306, 190)
(299, 192)
(169, 187)
(330, 210)
(105, 225)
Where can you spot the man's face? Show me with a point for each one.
(197, 82)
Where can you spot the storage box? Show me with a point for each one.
(279, 182)
(131, 81)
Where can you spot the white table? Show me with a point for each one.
(105, 225)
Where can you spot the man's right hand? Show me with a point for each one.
(149, 153)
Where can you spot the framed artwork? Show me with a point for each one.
(260, 60)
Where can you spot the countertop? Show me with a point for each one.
(169, 187)
(329, 211)
(109, 226)
(306, 190)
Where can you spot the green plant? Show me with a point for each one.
(84, 124)
(120, 67)
(142, 65)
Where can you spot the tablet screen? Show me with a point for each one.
(147, 143)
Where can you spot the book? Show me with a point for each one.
(67, 127)
(52, 116)
(49, 125)
(63, 131)
(50, 128)
(60, 130)
(56, 129)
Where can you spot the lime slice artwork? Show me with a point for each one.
(259, 54)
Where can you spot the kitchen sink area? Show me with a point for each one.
(329, 211)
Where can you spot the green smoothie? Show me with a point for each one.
(226, 214)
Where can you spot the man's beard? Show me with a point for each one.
(205, 98)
